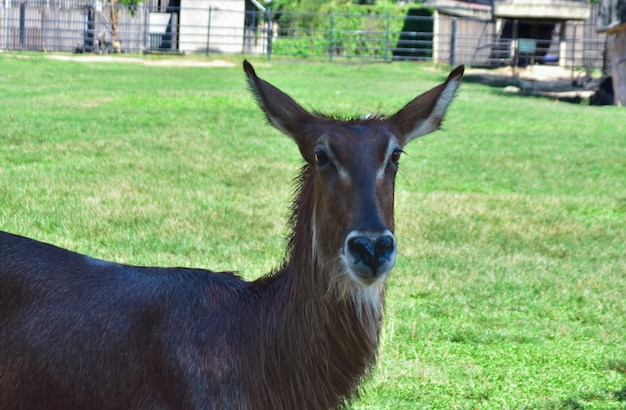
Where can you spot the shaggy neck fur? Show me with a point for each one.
(326, 331)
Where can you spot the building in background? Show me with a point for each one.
(518, 32)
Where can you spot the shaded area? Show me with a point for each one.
(416, 38)
(551, 82)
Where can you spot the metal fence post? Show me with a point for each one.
(146, 28)
(270, 34)
(4, 31)
(515, 48)
(331, 46)
(574, 48)
(453, 43)
(387, 51)
(85, 25)
(22, 25)
(208, 33)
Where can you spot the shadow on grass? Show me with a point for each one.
(496, 81)
(579, 404)
(589, 399)
(556, 89)
(617, 365)
(572, 404)
(620, 395)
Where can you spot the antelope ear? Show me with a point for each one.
(280, 109)
(425, 113)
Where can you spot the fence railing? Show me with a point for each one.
(70, 26)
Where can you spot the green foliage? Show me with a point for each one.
(324, 5)
(302, 6)
(132, 4)
(342, 30)
(510, 285)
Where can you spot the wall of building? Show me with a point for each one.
(211, 26)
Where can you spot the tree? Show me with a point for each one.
(112, 11)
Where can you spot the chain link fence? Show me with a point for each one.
(71, 26)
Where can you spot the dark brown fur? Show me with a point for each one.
(77, 332)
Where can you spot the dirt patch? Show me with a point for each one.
(180, 62)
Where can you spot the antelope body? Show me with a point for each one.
(77, 332)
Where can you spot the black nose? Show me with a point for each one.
(369, 254)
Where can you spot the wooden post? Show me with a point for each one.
(619, 63)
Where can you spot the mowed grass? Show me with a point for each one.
(510, 286)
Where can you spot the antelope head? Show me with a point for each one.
(353, 164)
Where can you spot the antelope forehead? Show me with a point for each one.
(360, 149)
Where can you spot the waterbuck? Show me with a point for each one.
(77, 332)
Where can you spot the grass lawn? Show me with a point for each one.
(510, 286)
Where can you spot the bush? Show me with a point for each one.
(344, 30)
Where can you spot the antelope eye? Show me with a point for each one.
(395, 156)
(321, 157)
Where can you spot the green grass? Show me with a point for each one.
(510, 286)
